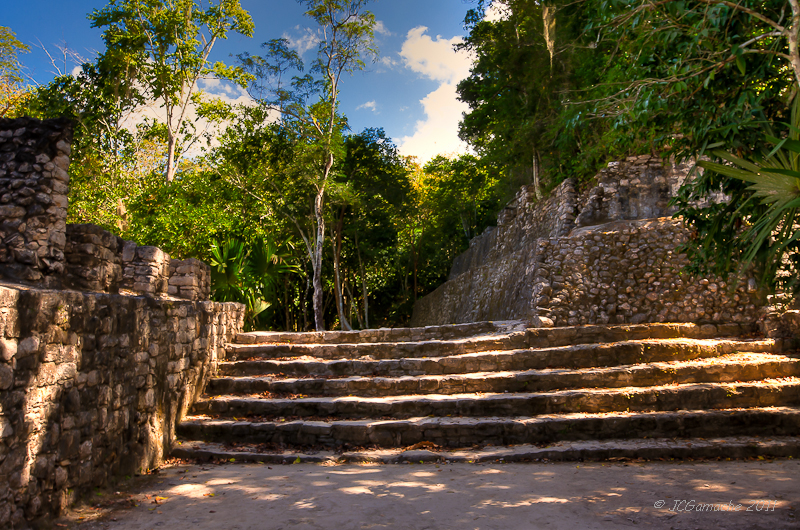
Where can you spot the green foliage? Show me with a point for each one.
(768, 234)
(309, 110)
(162, 48)
(371, 194)
(464, 193)
(249, 274)
(522, 99)
(10, 49)
(694, 72)
(107, 159)
(627, 78)
(452, 202)
(186, 216)
(13, 94)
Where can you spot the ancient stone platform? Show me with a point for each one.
(590, 392)
(610, 255)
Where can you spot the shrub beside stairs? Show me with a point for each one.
(492, 391)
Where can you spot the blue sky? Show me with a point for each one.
(410, 92)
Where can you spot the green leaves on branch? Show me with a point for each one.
(248, 275)
(10, 49)
(772, 235)
(162, 48)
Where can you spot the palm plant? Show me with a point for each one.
(249, 275)
(228, 269)
(772, 238)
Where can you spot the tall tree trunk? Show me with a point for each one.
(171, 145)
(316, 262)
(536, 178)
(353, 307)
(337, 251)
(304, 299)
(286, 301)
(791, 33)
(363, 285)
(414, 256)
(549, 19)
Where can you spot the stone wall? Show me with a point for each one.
(146, 269)
(98, 260)
(636, 188)
(91, 386)
(94, 260)
(631, 272)
(34, 157)
(94, 379)
(588, 260)
(521, 223)
(37, 247)
(189, 279)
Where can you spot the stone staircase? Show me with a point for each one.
(499, 391)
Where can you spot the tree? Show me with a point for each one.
(12, 93)
(106, 156)
(648, 75)
(454, 200)
(770, 234)
(309, 105)
(695, 71)
(377, 193)
(712, 73)
(511, 102)
(163, 47)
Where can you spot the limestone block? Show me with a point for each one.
(541, 322)
(11, 211)
(62, 161)
(154, 254)
(8, 349)
(59, 200)
(28, 346)
(64, 147)
(128, 251)
(6, 377)
(184, 281)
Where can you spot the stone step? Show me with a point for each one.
(531, 338)
(728, 368)
(541, 337)
(694, 396)
(465, 432)
(381, 350)
(578, 356)
(729, 448)
(451, 332)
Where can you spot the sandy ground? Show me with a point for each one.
(731, 495)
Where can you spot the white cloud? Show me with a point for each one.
(497, 11)
(436, 59)
(369, 105)
(438, 132)
(307, 40)
(388, 62)
(381, 29)
(226, 91)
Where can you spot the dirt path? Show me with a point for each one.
(461, 497)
